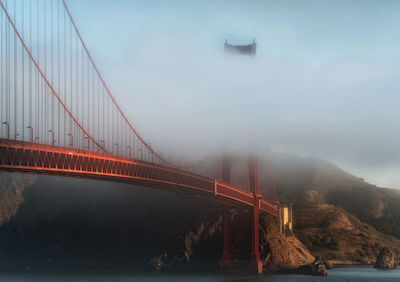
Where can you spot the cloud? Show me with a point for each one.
(334, 99)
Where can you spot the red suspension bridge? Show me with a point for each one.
(59, 117)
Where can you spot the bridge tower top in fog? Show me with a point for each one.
(241, 49)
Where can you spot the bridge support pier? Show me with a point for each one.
(235, 226)
(255, 240)
(255, 260)
(226, 259)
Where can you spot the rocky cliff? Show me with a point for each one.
(308, 180)
(339, 236)
(279, 251)
(337, 215)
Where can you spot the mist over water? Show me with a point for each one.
(323, 82)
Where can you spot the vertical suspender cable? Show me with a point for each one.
(7, 72)
(108, 123)
(15, 77)
(8, 104)
(108, 90)
(77, 86)
(65, 78)
(45, 111)
(37, 75)
(83, 91)
(93, 105)
(104, 113)
(23, 74)
(112, 126)
(30, 72)
(2, 79)
(58, 73)
(98, 109)
(88, 101)
(70, 65)
(52, 68)
(92, 92)
(43, 76)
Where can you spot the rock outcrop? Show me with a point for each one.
(176, 258)
(157, 263)
(279, 252)
(318, 267)
(330, 232)
(385, 260)
(12, 187)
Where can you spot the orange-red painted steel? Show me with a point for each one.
(98, 148)
(30, 157)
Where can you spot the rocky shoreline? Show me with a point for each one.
(384, 261)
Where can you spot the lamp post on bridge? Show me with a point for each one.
(88, 143)
(104, 144)
(141, 153)
(52, 136)
(30, 132)
(130, 150)
(8, 128)
(16, 135)
(116, 144)
(71, 144)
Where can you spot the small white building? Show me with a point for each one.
(286, 218)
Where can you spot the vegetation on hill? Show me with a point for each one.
(336, 235)
(307, 180)
(336, 214)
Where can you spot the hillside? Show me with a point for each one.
(307, 180)
(336, 214)
(336, 235)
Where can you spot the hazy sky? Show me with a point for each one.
(324, 81)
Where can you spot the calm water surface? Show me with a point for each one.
(337, 274)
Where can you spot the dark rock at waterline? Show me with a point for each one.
(157, 263)
(385, 259)
(317, 267)
(165, 262)
(328, 265)
(174, 259)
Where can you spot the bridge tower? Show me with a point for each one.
(238, 230)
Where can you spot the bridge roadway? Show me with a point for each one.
(28, 157)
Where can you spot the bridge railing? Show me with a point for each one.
(49, 159)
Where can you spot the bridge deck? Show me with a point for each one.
(21, 156)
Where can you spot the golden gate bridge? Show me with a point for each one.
(59, 117)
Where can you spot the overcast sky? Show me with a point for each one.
(324, 82)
